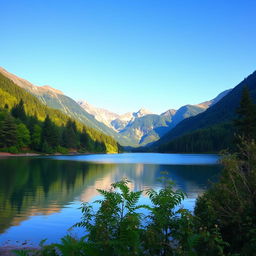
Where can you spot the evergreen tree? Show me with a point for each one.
(23, 135)
(50, 133)
(18, 111)
(8, 132)
(31, 122)
(70, 136)
(86, 141)
(36, 137)
(246, 121)
(100, 147)
(46, 148)
(84, 138)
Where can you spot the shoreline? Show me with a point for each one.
(8, 250)
(30, 154)
(7, 154)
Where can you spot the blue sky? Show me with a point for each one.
(126, 54)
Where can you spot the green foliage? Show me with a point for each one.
(161, 228)
(70, 246)
(219, 137)
(86, 142)
(121, 226)
(36, 136)
(50, 134)
(12, 150)
(70, 135)
(8, 132)
(23, 136)
(230, 203)
(211, 139)
(21, 252)
(46, 148)
(31, 112)
(18, 111)
(115, 228)
(47, 137)
(61, 150)
(246, 121)
(223, 112)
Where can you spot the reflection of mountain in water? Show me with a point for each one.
(191, 179)
(43, 186)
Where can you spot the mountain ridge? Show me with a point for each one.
(57, 100)
(144, 126)
(11, 94)
(130, 129)
(220, 113)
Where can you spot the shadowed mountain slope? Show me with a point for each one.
(221, 113)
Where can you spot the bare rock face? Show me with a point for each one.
(102, 115)
(111, 119)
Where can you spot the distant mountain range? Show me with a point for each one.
(144, 127)
(133, 129)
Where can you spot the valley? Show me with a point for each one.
(132, 129)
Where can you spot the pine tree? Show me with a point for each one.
(70, 136)
(18, 111)
(23, 135)
(8, 132)
(246, 121)
(50, 133)
(36, 137)
(86, 141)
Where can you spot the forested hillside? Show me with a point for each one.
(211, 130)
(23, 115)
(55, 99)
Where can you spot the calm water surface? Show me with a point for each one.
(40, 197)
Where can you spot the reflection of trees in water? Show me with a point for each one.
(32, 186)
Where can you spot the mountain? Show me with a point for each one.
(150, 127)
(218, 117)
(11, 94)
(111, 119)
(102, 115)
(130, 129)
(144, 127)
(57, 100)
(126, 119)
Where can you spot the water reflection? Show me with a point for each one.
(38, 195)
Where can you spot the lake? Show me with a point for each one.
(40, 196)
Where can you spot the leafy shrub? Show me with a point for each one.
(231, 203)
(13, 150)
(61, 150)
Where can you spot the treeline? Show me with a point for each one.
(34, 112)
(218, 137)
(21, 132)
(209, 140)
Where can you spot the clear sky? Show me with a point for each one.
(126, 54)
